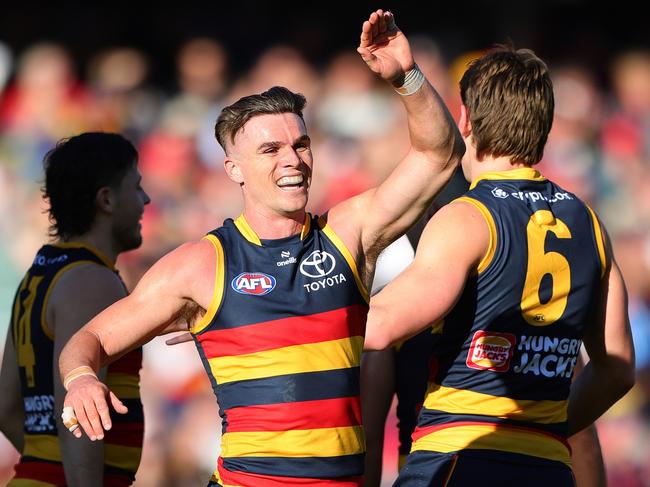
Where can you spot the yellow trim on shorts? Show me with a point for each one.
(343, 353)
(318, 442)
(29, 483)
(45, 447)
(459, 401)
(600, 242)
(217, 293)
(527, 173)
(489, 219)
(338, 243)
(44, 326)
(494, 437)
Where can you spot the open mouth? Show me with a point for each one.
(289, 183)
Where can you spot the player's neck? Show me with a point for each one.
(97, 242)
(494, 164)
(270, 226)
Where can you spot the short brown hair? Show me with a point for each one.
(276, 100)
(509, 98)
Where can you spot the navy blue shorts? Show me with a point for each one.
(484, 468)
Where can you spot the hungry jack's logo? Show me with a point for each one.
(491, 351)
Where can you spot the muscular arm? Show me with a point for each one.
(12, 410)
(427, 290)
(609, 374)
(81, 293)
(185, 275)
(370, 221)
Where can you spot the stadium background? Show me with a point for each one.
(139, 69)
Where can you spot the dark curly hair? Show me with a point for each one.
(75, 170)
(275, 100)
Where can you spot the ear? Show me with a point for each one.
(104, 199)
(464, 125)
(233, 170)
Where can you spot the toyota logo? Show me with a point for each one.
(317, 264)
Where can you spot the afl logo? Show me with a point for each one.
(254, 283)
(317, 264)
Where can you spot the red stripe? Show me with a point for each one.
(115, 480)
(257, 480)
(126, 434)
(297, 330)
(326, 413)
(420, 432)
(51, 473)
(128, 364)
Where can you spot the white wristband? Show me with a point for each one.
(76, 373)
(413, 80)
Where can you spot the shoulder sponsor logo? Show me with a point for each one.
(317, 264)
(41, 260)
(499, 193)
(491, 351)
(255, 283)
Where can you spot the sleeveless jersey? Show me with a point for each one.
(41, 464)
(506, 352)
(281, 342)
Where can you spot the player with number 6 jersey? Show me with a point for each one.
(514, 276)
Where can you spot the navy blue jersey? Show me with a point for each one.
(506, 351)
(281, 343)
(34, 343)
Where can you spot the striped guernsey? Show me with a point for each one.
(281, 343)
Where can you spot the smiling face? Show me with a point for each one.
(271, 159)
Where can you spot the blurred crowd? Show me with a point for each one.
(599, 148)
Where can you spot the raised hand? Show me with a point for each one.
(384, 47)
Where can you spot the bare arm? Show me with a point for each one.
(81, 293)
(586, 457)
(378, 216)
(185, 275)
(609, 374)
(444, 259)
(377, 389)
(12, 409)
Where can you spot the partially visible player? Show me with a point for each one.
(96, 202)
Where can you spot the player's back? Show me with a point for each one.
(507, 350)
(33, 338)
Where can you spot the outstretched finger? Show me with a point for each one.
(374, 22)
(117, 404)
(69, 420)
(93, 408)
(80, 412)
(390, 21)
(366, 35)
(382, 21)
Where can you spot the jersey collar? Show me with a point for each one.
(520, 173)
(250, 235)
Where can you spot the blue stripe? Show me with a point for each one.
(312, 467)
(309, 386)
(432, 417)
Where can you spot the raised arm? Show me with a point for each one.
(443, 260)
(378, 216)
(174, 284)
(609, 374)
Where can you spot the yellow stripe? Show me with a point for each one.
(489, 253)
(71, 245)
(306, 226)
(120, 456)
(125, 386)
(246, 230)
(321, 442)
(46, 329)
(521, 173)
(338, 243)
(598, 233)
(45, 447)
(312, 357)
(217, 293)
(494, 437)
(457, 401)
(29, 483)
